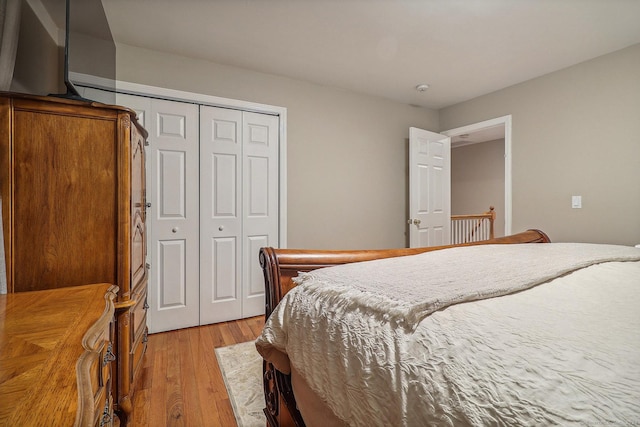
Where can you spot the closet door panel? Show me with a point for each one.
(254, 289)
(223, 187)
(260, 203)
(220, 214)
(174, 215)
(172, 283)
(258, 187)
(224, 281)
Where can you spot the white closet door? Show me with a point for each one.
(173, 152)
(220, 214)
(238, 210)
(260, 204)
(215, 202)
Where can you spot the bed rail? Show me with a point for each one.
(472, 228)
(280, 266)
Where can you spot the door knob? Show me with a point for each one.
(174, 230)
(220, 228)
(417, 221)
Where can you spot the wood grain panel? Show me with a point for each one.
(63, 236)
(72, 184)
(40, 346)
(195, 394)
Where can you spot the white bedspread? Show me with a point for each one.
(407, 289)
(564, 352)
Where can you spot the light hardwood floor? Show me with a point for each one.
(180, 383)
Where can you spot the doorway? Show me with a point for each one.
(487, 132)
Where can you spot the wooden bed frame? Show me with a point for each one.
(280, 266)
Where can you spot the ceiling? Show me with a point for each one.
(460, 48)
(490, 133)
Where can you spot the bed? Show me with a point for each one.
(499, 332)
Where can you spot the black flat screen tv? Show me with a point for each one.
(89, 48)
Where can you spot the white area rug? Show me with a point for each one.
(241, 367)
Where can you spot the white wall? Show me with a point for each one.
(39, 63)
(347, 153)
(477, 180)
(575, 132)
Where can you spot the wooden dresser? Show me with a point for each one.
(55, 357)
(72, 181)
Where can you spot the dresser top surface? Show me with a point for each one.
(41, 340)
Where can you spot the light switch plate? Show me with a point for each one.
(576, 202)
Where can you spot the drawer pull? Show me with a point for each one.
(108, 356)
(106, 415)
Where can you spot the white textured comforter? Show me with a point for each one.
(407, 350)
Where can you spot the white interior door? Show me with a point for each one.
(238, 210)
(260, 204)
(429, 188)
(220, 214)
(173, 277)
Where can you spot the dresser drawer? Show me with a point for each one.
(105, 417)
(137, 351)
(95, 371)
(139, 287)
(101, 378)
(138, 331)
(139, 315)
(97, 366)
(101, 405)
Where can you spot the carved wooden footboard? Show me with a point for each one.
(280, 266)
